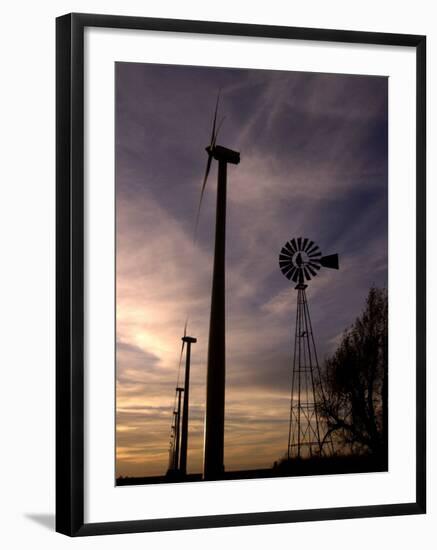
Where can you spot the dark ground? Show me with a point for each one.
(307, 467)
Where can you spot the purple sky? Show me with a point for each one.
(313, 164)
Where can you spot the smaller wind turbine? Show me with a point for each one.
(184, 430)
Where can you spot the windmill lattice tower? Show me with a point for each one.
(300, 260)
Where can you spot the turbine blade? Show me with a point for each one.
(330, 261)
(183, 342)
(304, 243)
(214, 141)
(205, 179)
(299, 243)
(214, 134)
(182, 352)
(294, 245)
(215, 119)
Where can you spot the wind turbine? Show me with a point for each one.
(213, 466)
(184, 430)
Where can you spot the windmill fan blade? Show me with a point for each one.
(315, 254)
(311, 270)
(286, 269)
(330, 261)
(312, 249)
(288, 246)
(308, 245)
(284, 264)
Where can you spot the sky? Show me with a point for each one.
(314, 163)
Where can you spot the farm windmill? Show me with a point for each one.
(300, 260)
(215, 385)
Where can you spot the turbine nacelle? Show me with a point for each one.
(223, 154)
(189, 339)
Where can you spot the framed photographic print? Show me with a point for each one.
(240, 274)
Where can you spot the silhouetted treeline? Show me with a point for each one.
(355, 400)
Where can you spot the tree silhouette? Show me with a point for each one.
(354, 401)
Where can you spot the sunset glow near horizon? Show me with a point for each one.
(314, 163)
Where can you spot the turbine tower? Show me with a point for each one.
(213, 466)
(300, 260)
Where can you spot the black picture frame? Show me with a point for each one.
(70, 273)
